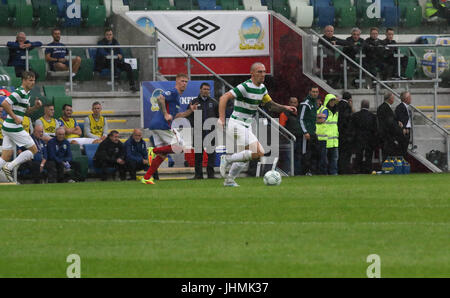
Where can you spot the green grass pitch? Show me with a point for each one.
(319, 226)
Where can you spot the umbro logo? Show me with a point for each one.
(198, 27)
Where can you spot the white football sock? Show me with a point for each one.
(2, 162)
(23, 157)
(236, 169)
(245, 155)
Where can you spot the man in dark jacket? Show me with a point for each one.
(364, 127)
(17, 50)
(101, 60)
(388, 127)
(404, 116)
(354, 44)
(60, 159)
(373, 49)
(345, 109)
(332, 67)
(111, 154)
(208, 108)
(307, 119)
(136, 155)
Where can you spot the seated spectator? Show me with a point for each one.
(332, 67)
(38, 163)
(354, 44)
(136, 155)
(390, 63)
(111, 154)
(56, 57)
(49, 123)
(17, 52)
(103, 61)
(73, 130)
(374, 52)
(95, 125)
(60, 160)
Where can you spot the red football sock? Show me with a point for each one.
(153, 167)
(163, 150)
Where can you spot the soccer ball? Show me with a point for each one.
(272, 178)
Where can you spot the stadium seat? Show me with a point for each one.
(59, 101)
(207, 5)
(86, 71)
(95, 16)
(54, 90)
(301, 13)
(345, 13)
(23, 13)
(325, 16)
(362, 19)
(412, 16)
(47, 15)
(253, 5)
(81, 125)
(38, 66)
(76, 150)
(8, 77)
(279, 6)
(84, 164)
(6, 14)
(139, 5)
(4, 56)
(117, 7)
(185, 5)
(231, 4)
(161, 5)
(389, 17)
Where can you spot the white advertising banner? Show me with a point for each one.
(208, 33)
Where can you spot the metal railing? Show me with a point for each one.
(112, 47)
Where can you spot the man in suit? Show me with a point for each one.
(388, 127)
(404, 117)
(345, 110)
(364, 127)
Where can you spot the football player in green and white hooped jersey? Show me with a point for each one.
(248, 96)
(17, 105)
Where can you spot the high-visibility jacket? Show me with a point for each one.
(71, 123)
(97, 126)
(430, 10)
(331, 127)
(49, 127)
(26, 122)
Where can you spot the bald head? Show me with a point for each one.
(21, 37)
(137, 135)
(365, 104)
(38, 131)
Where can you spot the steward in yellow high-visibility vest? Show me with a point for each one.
(329, 109)
(437, 8)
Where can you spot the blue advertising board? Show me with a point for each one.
(152, 89)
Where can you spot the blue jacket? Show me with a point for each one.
(59, 151)
(103, 52)
(42, 150)
(135, 151)
(16, 53)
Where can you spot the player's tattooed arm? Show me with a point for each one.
(277, 108)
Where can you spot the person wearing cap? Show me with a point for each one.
(345, 109)
(330, 115)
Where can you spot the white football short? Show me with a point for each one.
(240, 133)
(167, 137)
(21, 139)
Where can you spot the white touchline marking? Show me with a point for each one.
(168, 221)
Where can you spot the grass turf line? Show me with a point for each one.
(306, 227)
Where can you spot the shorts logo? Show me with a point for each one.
(251, 34)
(147, 24)
(198, 28)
